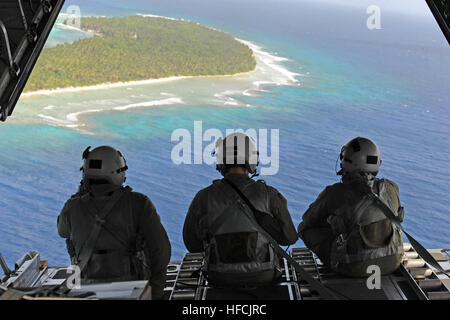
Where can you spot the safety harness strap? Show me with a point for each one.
(423, 253)
(316, 285)
(87, 250)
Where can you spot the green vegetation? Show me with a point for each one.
(139, 48)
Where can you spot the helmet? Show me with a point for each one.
(103, 165)
(236, 150)
(360, 155)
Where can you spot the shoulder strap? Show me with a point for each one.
(424, 254)
(100, 218)
(316, 285)
(220, 220)
(215, 224)
(265, 219)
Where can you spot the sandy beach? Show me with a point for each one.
(101, 86)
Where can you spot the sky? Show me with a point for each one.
(407, 7)
(417, 7)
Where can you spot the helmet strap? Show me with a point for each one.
(86, 153)
(340, 172)
(255, 174)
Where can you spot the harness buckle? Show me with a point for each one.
(340, 241)
(99, 220)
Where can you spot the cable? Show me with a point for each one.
(31, 6)
(335, 291)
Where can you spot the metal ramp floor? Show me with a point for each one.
(414, 280)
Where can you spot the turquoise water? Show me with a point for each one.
(391, 86)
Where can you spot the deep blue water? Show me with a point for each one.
(391, 85)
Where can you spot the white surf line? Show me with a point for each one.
(51, 119)
(161, 17)
(268, 64)
(57, 122)
(163, 102)
(272, 62)
(73, 117)
(72, 120)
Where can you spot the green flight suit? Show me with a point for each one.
(132, 226)
(199, 217)
(316, 232)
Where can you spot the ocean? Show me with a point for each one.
(323, 78)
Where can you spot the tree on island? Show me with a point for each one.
(139, 48)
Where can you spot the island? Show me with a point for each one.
(136, 48)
